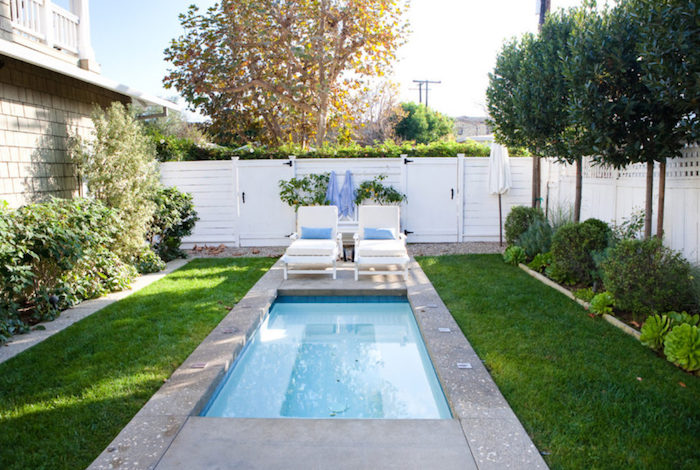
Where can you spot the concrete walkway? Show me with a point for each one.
(168, 433)
(19, 343)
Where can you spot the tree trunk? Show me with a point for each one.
(662, 198)
(536, 181)
(577, 197)
(649, 196)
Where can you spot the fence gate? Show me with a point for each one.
(263, 219)
(431, 213)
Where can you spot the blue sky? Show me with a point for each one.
(455, 41)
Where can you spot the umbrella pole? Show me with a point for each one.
(500, 222)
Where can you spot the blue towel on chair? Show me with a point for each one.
(346, 206)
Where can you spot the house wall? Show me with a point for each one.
(39, 109)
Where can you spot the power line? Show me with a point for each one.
(420, 87)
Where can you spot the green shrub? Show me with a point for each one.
(540, 262)
(573, 248)
(519, 220)
(58, 248)
(514, 255)
(585, 294)
(536, 239)
(602, 303)
(630, 227)
(375, 191)
(147, 261)
(174, 218)
(121, 170)
(654, 331)
(646, 277)
(682, 347)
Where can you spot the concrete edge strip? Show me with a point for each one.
(609, 318)
(84, 309)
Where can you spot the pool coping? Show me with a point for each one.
(484, 432)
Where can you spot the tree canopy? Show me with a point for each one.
(277, 71)
(422, 124)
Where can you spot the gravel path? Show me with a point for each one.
(415, 249)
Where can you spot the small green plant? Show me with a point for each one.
(602, 303)
(536, 239)
(309, 190)
(519, 220)
(585, 294)
(679, 318)
(654, 331)
(514, 255)
(540, 262)
(682, 347)
(630, 227)
(374, 190)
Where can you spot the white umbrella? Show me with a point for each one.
(499, 178)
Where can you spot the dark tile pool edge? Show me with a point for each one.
(493, 434)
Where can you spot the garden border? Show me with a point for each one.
(609, 318)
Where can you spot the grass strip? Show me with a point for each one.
(588, 394)
(64, 400)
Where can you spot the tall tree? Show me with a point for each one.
(281, 70)
(528, 97)
(629, 120)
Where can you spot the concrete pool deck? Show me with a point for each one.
(484, 433)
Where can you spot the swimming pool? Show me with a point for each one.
(333, 357)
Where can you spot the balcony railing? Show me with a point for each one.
(43, 21)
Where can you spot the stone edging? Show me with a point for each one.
(609, 318)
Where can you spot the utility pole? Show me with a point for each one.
(420, 90)
(427, 85)
(542, 10)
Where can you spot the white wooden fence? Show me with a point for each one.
(447, 198)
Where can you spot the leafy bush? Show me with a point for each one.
(646, 277)
(375, 191)
(540, 262)
(682, 347)
(58, 248)
(309, 190)
(573, 247)
(654, 331)
(173, 219)
(536, 239)
(585, 294)
(519, 220)
(121, 171)
(514, 255)
(602, 303)
(630, 227)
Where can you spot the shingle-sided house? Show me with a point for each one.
(49, 83)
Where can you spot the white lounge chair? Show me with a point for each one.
(379, 241)
(316, 243)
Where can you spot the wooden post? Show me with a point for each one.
(662, 199)
(648, 209)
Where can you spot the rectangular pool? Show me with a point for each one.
(333, 357)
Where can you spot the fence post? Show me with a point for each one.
(460, 196)
(235, 195)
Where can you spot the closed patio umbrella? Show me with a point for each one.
(499, 178)
(346, 207)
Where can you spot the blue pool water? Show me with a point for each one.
(333, 357)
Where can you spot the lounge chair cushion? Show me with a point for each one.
(379, 233)
(316, 233)
(312, 247)
(386, 248)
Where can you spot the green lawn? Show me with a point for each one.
(590, 395)
(64, 400)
